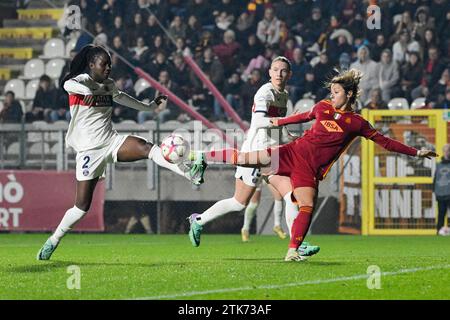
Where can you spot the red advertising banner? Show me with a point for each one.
(37, 201)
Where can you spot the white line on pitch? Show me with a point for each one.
(297, 284)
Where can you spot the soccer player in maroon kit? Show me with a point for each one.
(308, 159)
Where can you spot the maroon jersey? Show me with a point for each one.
(331, 134)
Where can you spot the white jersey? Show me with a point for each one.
(271, 103)
(90, 127)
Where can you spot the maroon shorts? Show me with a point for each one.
(287, 161)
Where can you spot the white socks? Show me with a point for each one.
(250, 212)
(156, 156)
(291, 211)
(70, 219)
(219, 209)
(277, 212)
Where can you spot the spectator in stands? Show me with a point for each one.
(117, 29)
(388, 75)
(177, 28)
(193, 30)
(314, 26)
(432, 71)
(289, 46)
(164, 111)
(202, 11)
(289, 11)
(446, 103)
(422, 22)
(212, 67)
(227, 52)
(202, 100)
(310, 86)
(322, 72)
(441, 188)
(411, 75)
(12, 110)
(376, 101)
(140, 53)
(158, 64)
(436, 97)
(250, 50)
(297, 81)
(338, 46)
(344, 61)
(268, 29)
(136, 29)
(232, 92)
(377, 48)
(152, 29)
(43, 102)
(405, 24)
(245, 26)
(61, 110)
(223, 20)
(157, 46)
(249, 88)
(404, 46)
(429, 40)
(111, 9)
(180, 74)
(370, 70)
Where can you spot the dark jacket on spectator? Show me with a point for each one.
(11, 113)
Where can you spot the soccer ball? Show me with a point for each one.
(174, 148)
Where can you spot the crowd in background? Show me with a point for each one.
(233, 42)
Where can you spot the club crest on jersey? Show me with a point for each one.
(103, 101)
(331, 126)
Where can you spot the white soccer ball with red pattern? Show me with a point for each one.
(174, 148)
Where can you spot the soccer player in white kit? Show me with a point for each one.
(90, 134)
(269, 101)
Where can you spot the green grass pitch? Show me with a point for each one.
(168, 267)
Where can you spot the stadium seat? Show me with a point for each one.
(53, 48)
(419, 103)
(398, 104)
(33, 69)
(304, 105)
(1, 105)
(54, 67)
(170, 125)
(14, 148)
(17, 86)
(35, 136)
(31, 88)
(39, 148)
(141, 85)
(69, 46)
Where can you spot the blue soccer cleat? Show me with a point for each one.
(46, 251)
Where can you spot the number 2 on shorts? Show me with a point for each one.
(85, 165)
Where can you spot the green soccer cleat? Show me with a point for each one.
(195, 230)
(198, 169)
(46, 251)
(307, 250)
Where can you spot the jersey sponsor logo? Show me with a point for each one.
(275, 111)
(103, 101)
(331, 126)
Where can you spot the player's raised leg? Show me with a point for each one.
(136, 148)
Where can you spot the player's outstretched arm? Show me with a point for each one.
(128, 101)
(397, 146)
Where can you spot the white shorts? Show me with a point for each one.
(92, 163)
(250, 176)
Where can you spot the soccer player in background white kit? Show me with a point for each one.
(269, 101)
(90, 134)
